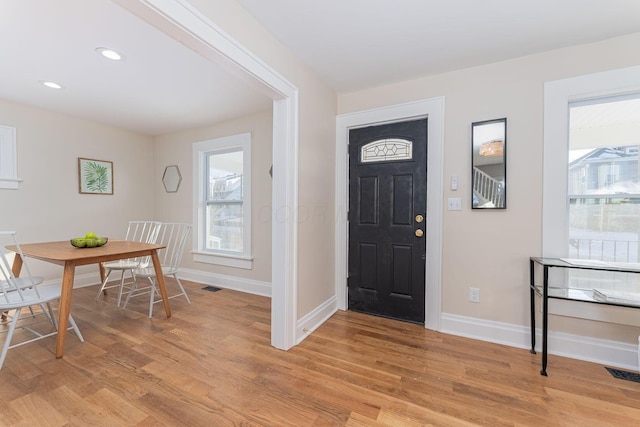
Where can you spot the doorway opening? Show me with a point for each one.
(195, 31)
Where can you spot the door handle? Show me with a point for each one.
(419, 233)
(419, 218)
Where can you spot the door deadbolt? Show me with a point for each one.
(419, 233)
(419, 218)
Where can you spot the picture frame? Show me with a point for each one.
(95, 176)
(489, 164)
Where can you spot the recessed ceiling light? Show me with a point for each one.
(52, 85)
(109, 54)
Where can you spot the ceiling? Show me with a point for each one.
(160, 87)
(164, 87)
(357, 44)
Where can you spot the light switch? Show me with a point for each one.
(454, 204)
(454, 182)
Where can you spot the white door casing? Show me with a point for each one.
(434, 110)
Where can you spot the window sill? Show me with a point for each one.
(236, 261)
(9, 183)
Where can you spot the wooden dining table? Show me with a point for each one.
(70, 257)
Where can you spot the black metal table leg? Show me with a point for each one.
(545, 315)
(532, 295)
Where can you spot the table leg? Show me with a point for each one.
(545, 316)
(532, 295)
(160, 282)
(17, 265)
(103, 275)
(65, 306)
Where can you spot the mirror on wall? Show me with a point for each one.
(171, 178)
(489, 164)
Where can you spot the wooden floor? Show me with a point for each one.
(211, 364)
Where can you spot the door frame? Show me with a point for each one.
(433, 109)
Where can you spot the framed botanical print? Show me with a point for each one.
(95, 176)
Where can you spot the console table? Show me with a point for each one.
(566, 293)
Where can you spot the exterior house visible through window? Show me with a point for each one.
(222, 202)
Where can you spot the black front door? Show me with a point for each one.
(387, 217)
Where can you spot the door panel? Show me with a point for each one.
(402, 190)
(402, 256)
(387, 190)
(368, 257)
(369, 197)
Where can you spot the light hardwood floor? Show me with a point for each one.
(211, 364)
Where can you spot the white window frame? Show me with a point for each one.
(555, 210)
(8, 158)
(242, 260)
(557, 97)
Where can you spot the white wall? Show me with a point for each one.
(176, 149)
(315, 269)
(317, 114)
(490, 249)
(47, 206)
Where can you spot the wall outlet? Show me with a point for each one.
(474, 294)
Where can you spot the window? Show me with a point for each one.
(8, 158)
(577, 198)
(586, 163)
(603, 192)
(385, 150)
(222, 201)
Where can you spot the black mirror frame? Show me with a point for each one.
(494, 142)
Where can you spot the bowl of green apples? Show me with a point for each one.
(90, 240)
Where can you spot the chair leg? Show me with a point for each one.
(152, 296)
(175, 276)
(72, 322)
(50, 315)
(7, 340)
(134, 287)
(75, 328)
(104, 284)
(154, 293)
(121, 287)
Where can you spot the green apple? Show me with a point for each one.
(91, 243)
(90, 235)
(79, 242)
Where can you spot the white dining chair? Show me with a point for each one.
(174, 237)
(26, 292)
(31, 280)
(137, 231)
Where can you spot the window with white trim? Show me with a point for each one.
(603, 186)
(575, 111)
(8, 158)
(575, 199)
(222, 200)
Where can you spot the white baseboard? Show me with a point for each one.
(605, 352)
(250, 286)
(218, 280)
(79, 280)
(310, 322)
